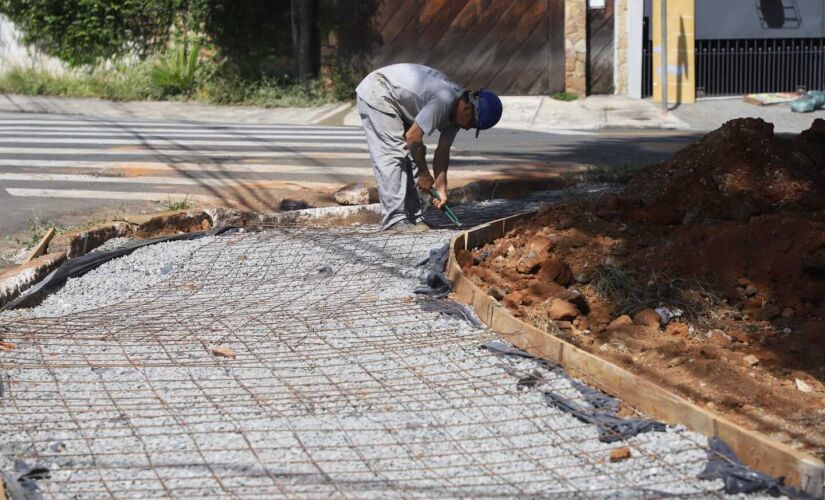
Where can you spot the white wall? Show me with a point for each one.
(14, 54)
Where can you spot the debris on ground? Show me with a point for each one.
(224, 352)
(288, 205)
(702, 265)
(355, 193)
(620, 454)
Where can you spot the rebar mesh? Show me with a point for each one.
(343, 385)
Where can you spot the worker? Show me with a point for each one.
(401, 103)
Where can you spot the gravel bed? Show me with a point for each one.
(297, 362)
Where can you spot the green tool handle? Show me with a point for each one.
(447, 210)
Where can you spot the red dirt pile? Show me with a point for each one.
(731, 232)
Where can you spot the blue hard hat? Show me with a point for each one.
(488, 110)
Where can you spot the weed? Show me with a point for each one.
(37, 229)
(698, 300)
(171, 206)
(565, 96)
(176, 72)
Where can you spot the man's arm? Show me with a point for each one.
(441, 162)
(415, 143)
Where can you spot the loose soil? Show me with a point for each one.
(731, 233)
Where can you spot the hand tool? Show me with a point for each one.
(447, 210)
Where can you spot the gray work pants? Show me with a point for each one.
(395, 172)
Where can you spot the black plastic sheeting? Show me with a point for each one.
(725, 465)
(79, 266)
(436, 283)
(602, 410)
(722, 464)
(22, 484)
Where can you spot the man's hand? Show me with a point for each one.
(442, 198)
(425, 181)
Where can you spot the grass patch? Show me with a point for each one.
(37, 229)
(171, 206)
(700, 302)
(565, 96)
(161, 79)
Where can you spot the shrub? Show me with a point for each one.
(176, 72)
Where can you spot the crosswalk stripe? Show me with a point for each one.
(97, 131)
(222, 181)
(166, 124)
(354, 144)
(107, 195)
(232, 154)
(12, 134)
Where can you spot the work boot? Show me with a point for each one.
(407, 226)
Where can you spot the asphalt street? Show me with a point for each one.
(68, 169)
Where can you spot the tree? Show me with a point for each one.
(305, 38)
(86, 32)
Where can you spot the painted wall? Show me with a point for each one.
(732, 19)
(14, 54)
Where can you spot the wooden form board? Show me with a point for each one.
(753, 449)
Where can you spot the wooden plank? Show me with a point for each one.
(41, 246)
(753, 449)
(555, 45)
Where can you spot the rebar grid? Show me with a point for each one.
(342, 386)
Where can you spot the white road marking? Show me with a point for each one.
(113, 134)
(183, 153)
(237, 134)
(40, 143)
(138, 179)
(106, 195)
(167, 124)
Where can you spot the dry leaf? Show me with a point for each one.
(372, 298)
(223, 351)
(8, 346)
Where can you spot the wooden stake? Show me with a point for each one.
(40, 248)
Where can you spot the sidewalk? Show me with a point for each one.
(531, 113)
(544, 114)
(170, 110)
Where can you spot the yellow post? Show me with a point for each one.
(681, 61)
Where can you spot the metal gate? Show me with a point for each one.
(513, 47)
(734, 67)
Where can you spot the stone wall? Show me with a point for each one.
(575, 46)
(622, 47)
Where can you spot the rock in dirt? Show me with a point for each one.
(620, 322)
(561, 310)
(534, 255)
(720, 338)
(751, 360)
(648, 318)
(513, 299)
(620, 454)
(352, 194)
(555, 270)
(496, 292)
(803, 386)
(680, 329)
(224, 352)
